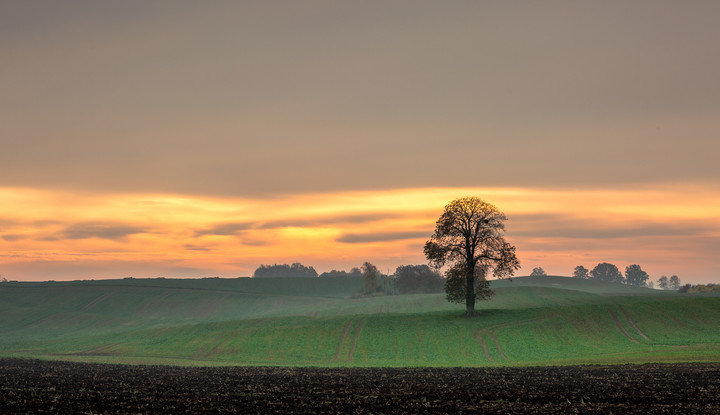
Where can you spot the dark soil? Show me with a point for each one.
(39, 387)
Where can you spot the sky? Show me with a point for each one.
(191, 139)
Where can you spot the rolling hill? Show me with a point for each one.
(319, 322)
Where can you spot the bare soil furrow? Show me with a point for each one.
(633, 325)
(343, 338)
(620, 326)
(358, 329)
(480, 336)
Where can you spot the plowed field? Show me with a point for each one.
(39, 387)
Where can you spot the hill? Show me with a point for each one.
(590, 286)
(316, 322)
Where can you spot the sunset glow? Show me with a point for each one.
(53, 234)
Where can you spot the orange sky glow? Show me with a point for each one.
(49, 234)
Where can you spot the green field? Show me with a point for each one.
(318, 322)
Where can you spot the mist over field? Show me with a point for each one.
(324, 322)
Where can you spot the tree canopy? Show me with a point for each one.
(354, 272)
(700, 288)
(581, 272)
(674, 282)
(371, 279)
(414, 279)
(538, 272)
(634, 275)
(607, 272)
(469, 237)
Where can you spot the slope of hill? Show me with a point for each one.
(590, 286)
(531, 321)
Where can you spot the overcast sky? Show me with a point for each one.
(262, 100)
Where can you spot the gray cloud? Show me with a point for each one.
(13, 237)
(237, 228)
(353, 238)
(225, 229)
(253, 242)
(329, 220)
(559, 226)
(196, 248)
(99, 230)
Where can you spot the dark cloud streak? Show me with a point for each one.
(226, 229)
(13, 237)
(111, 231)
(561, 226)
(355, 238)
(191, 247)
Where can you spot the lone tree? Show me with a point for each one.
(469, 236)
(538, 272)
(663, 282)
(634, 275)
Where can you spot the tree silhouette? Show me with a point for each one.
(674, 283)
(538, 272)
(370, 275)
(284, 271)
(634, 275)
(469, 236)
(410, 279)
(607, 272)
(581, 272)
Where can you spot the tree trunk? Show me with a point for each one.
(470, 291)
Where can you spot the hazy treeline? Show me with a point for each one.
(354, 272)
(284, 270)
(634, 275)
(700, 288)
(407, 279)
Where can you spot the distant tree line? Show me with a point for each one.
(417, 279)
(407, 279)
(354, 272)
(634, 275)
(284, 271)
(700, 288)
(672, 283)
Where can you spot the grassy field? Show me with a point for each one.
(317, 322)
